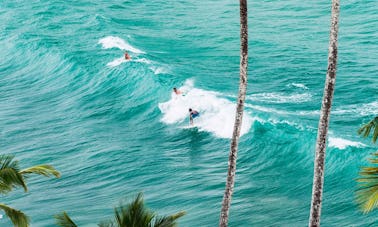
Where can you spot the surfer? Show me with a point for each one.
(176, 91)
(127, 56)
(192, 114)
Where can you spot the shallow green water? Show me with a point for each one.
(114, 129)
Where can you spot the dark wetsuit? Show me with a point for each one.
(194, 114)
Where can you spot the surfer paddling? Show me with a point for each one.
(127, 56)
(192, 114)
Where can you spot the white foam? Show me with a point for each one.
(280, 97)
(116, 42)
(158, 70)
(365, 109)
(217, 115)
(121, 60)
(341, 143)
(117, 62)
(298, 85)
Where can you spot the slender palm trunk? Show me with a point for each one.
(317, 187)
(239, 115)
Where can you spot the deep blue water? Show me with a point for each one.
(113, 127)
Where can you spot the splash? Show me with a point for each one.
(117, 62)
(298, 85)
(116, 42)
(217, 115)
(121, 60)
(341, 143)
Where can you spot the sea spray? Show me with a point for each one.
(217, 115)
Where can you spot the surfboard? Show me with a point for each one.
(190, 127)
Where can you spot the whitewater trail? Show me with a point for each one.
(116, 42)
(217, 115)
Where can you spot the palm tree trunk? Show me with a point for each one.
(317, 188)
(239, 115)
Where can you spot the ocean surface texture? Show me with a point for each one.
(113, 127)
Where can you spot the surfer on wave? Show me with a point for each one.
(177, 91)
(192, 114)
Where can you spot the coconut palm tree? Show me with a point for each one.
(129, 215)
(317, 187)
(367, 192)
(12, 177)
(239, 114)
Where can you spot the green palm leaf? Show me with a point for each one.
(106, 224)
(367, 192)
(367, 128)
(45, 170)
(64, 220)
(168, 221)
(133, 214)
(18, 218)
(4, 188)
(9, 174)
(136, 214)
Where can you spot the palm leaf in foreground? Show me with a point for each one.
(367, 192)
(133, 214)
(64, 220)
(168, 221)
(45, 170)
(366, 129)
(106, 224)
(18, 218)
(10, 175)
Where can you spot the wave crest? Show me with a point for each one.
(217, 115)
(116, 42)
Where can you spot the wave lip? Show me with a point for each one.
(341, 143)
(217, 115)
(116, 42)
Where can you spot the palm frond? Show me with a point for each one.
(45, 170)
(4, 188)
(18, 218)
(367, 192)
(168, 221)
(367, 128)
(64, 220)
(9, 174)
(368, 198)
(374, 160)
(134, 214)
(106, 224)
(6, 161)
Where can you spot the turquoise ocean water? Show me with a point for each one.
(114, 129)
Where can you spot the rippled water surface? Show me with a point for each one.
(113, 128)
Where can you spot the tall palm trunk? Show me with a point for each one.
(239, 114)
(317, 187)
